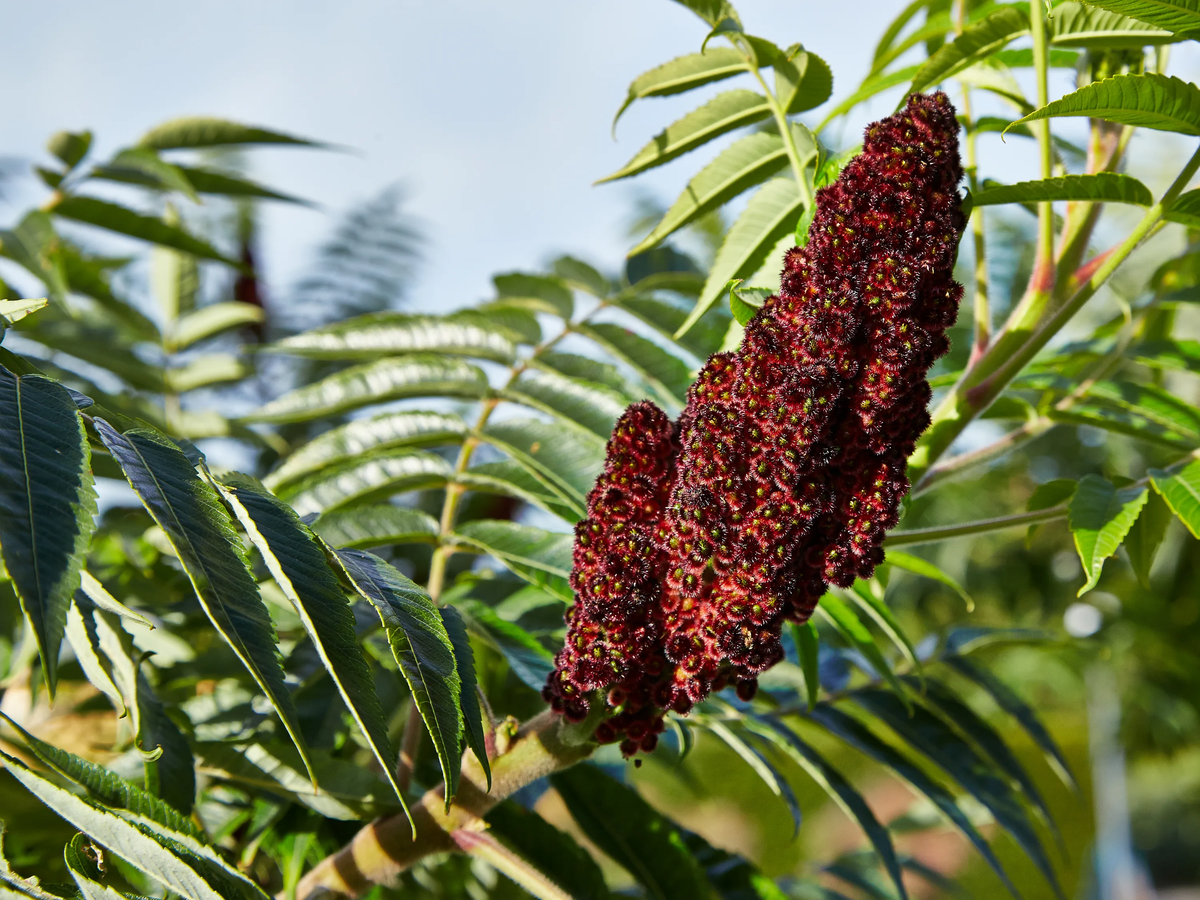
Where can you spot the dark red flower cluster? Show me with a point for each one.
(787, 466)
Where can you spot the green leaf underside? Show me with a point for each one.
(107, 787)
(348, 791)
(121, 219)
(374, 477)
(1179, 16)
(510, 479)
(1106, 187)
(299, 565)
(572, 458)
(589, 405)
(619, 822)
(409, 428)
(721, 114)
(1185, 210)
(201, 131)
(199, 529)
(666, 373)
(932, 737)
(422, 649)
(392, 333)
(143, 852)
(770, 215)
(851, 627)
(552, 851)
(741, 165)
(472, 713)
(1081, 25)
(837, 787)
(1147, 535)
(1008, 701)
(418, 375)
(858, 736)
(47, 504)
(977, 42)
(1100, 516)
(211, 320)
(1181, 489)
(683, 74)
(540, 557)
(375, 526)
(1150, 100)
(529, 660)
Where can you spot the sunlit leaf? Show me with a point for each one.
(298, 564)
(666, 373)
(47, 504)
(1148, 100)
(376, 382)
(122, 220)
(683, 74)
(199, 529)
(392, 334)
(590, 405)
(849, 626)
(766, 772)
(544, 293)
(200, 131)
(1105, 187)
(720, 115)
(1181, 489)
(422, 649)
(211, 320)
(1179, 16)
(540, 557)
(1077, 24)
(978, 41)
(1100, 517)
(472, 713)
(374, 526)
(371, 478)
(571, 458)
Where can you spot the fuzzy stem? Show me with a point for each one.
(785, 131)
(1045, 245)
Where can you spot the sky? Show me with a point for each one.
(494, 117)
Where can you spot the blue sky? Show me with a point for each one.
(494, 116)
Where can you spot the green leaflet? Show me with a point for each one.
(1185, 210)
(1147, 101)
(702, 340)
(762, 767)
(978, 41)
(923, 567)
(808, 649)
(348, 791)
(1008, 701)
(869, 597)
(861, 738)
(529, 660)
(1076, 24)
(770, 215)
(121, 219)
(629, 830)
(932, 737)
(802, 82)
(1105, 187)
(81, 633)
(298, 563)
(869, 88)
(118, 836)
(589, 405)
(422, 649)
(418, 375)
(1100, 516)
(1179, 16)
(722, 114)
(96, 593)
(372, 477)
(570, 458)
(472, 713)
(540, 557)
(542, 293)
(204, 131)
(374, 526)
(552, 851)
(836, 786)
(211, 320)
(667, 374)
(108, 788)
(846, 621)
(683, 74)
(510, 479)
(408, 428)
(1181, 489)
(47, 504)
(743, 164)
(391, 334)
(582, 276)
(190, 513)
(1146, 536)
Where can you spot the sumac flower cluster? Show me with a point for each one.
(787, 466)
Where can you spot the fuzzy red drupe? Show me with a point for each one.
(787, 466)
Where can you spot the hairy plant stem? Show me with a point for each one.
(982, 307)
(1043, 267)
(1022, 338)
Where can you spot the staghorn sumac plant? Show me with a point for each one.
(342, 688)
